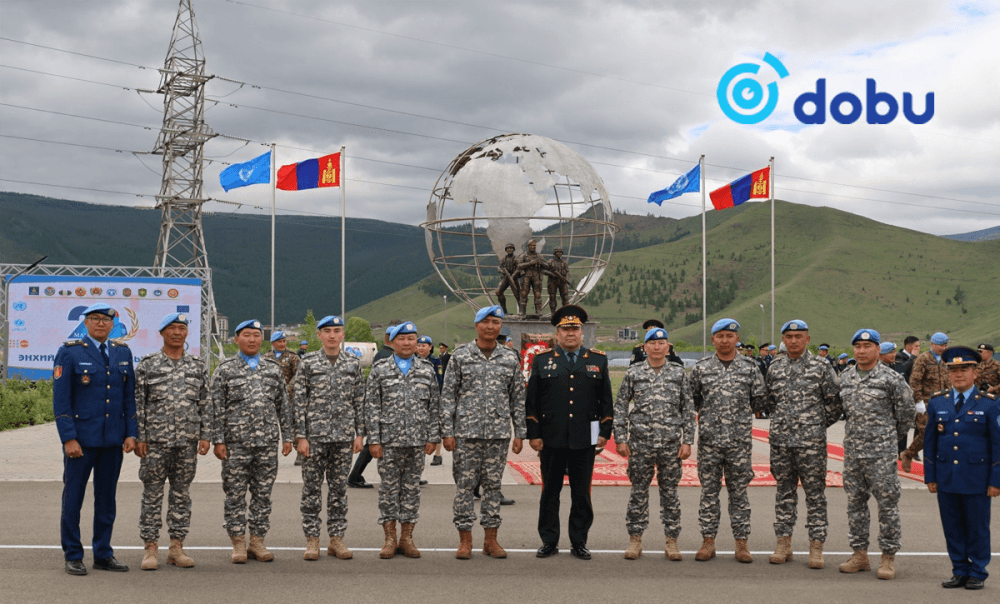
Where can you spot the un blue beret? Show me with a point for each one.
(330, 321)
(794, 325)
(304, 342)
(886, 348)
(725, 325)
(251, 324)
(824, 347)
(656, 334)
(843, 355)
(403, 328)
(866, 335)
(940, 339)
(772, 347)
(100, 308)
(425, 340)
(278, 335)
(174, 317)
(489, 311)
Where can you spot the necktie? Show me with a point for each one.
(958, 405)
(104, 353)
(572, 357)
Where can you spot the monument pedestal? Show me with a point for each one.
(526, 330)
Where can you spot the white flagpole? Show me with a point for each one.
(273, 185)
(343, 231)
(770, 187)
(704, 261)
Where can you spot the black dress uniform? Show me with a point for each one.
(567, 394)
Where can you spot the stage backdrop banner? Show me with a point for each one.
(44, 311)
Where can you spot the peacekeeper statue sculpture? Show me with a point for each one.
(530, 266)
(507, 267)
(558, 279)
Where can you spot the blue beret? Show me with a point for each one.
(940, 339)
(824, 347)
(304, 342)
(425, 340)
(388, 330)
(100, 308)
(866, 335)
(330, 321)
(656, 334)
(489, 311)
(352, 350)
(886, 348)
(843, 355)
(174, 317)
(725, 325)
(794, 325)
(961, 355)
(403, 328)
(278, 335)
(251, 324)
(772, 347)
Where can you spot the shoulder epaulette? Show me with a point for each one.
(940, 393)
(270, 360)
(549, 351)
(228, 360)
(600, 352)
(988, 395)
(117, 342)
(72, 342)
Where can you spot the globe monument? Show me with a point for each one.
(524, 215)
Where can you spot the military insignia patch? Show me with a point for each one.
(940, 427)
(593, 368)
(85, 379)
(57, 372)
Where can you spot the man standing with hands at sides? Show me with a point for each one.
(569, 410)
(402, 422)
(328, 398)
(878, 407)
(804, 398)
(727, 389)
(483, 395)
(929, 375)
(93, 400)
(962, 465)
(252, 413)
(174, 415)
(655, 436)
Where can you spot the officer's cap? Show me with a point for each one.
(866, 335)
(653, 323)
(489, 311)
(425, 340)
(957, 356)
(403, 328)
(657, 333)
(794, 325)
(569, 315)
(101, 309)
(251, 324)
(764, 345)
(986, 347)
(725, 325)
(330, 321)
(843, 355)
(174, 317)
(278, 335)
(886, 348)
(442, 344)
(940, 339)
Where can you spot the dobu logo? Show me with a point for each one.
(747, 93)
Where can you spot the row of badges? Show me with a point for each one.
(127, 292)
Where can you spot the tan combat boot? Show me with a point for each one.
(857, 562)
(671, 551)
(707, 551)
(339, 549)
(782, 552)
(815, 554)
(312, 549)
(634, 547)
(907, 461)
(743, 551)
(406, 545)
(490, 546)
(887, 567)
(150, 560)
(389, 548)
(239, 549)
(464, 551)
(176, 555)
(257, 551)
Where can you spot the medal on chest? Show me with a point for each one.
(85, 379)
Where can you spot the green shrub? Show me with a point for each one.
(25, 403)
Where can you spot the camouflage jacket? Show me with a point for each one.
(928, 376)
(289, 363)
(804, 398)
(250, 406)
(989, 373)
(402, 411)
(171, 400)
(879, 411)
(481, 397)
(662, 411)
(726, 399)
(329, 398)
(558, 267)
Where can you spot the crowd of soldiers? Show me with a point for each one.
(168, 411)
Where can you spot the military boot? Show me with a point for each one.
(239, 549)
(782, 552)
(815, 554)
(887, 567)
(257, 551)
(671, 551)
(406, 545)
(150, 560)
(743, 552)
(464, 551)
(634, 547)
(490, 545)
(339, 549)
(707, 551)
(312, 549)
(176, 555)
(389, 548)
(857, 562)
(907, 461)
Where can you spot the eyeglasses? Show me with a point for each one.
(100, 320)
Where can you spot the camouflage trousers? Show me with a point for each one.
(163, 463)
(330, 462)
(734, 463)
(789, 465)
(253, 468)
(862, 479)
(478, 462)
(642, 463)
(399, 494)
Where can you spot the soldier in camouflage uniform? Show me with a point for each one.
(402, 423)
(289, 364)
(483, 394)
(174, 416)
(804, 400)
(727, 389)
(252, 412)
(329, 396)
(558, 279)
(928, 376)
(655, 436)
(529, 266)
(507, 267)
(878, 407)
(989, 370)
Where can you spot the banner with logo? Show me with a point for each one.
(44, 311)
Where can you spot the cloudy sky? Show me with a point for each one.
(407, 85)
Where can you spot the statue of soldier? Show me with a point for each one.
(558, 279)
(507, 266)
(530, 265)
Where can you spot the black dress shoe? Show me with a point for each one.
(974, 583)
(954, 582)
(423, 482)
(75, 567)
(547, 549)
(580, 551)
(360, 484)
(505, 501)
(110, 564)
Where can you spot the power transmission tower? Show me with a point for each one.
(181, 143)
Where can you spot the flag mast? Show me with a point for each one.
(704, 261)
(771, 191)
(273, 185)
(343, 231)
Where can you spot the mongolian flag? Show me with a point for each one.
(752, 186)
(310, 174)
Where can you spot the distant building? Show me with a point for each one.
(628, 334)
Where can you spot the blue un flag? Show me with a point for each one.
(688, 183)
(257, 171)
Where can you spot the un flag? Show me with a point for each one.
(257, 171)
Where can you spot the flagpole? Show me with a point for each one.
(273, 184)
(343, 231)
(771, 191)
(704, 262)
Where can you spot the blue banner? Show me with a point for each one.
(257, 171)
(688, 183)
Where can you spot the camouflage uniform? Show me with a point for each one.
(989, 372)
(804, 397)
(251, 406)
(289, 363)
(329, 412)
(174, 412)
(879, 410)
(558, 266)
(661, 420)
(481, 398)
(402, 413)
(726, 400)
(929, 375)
